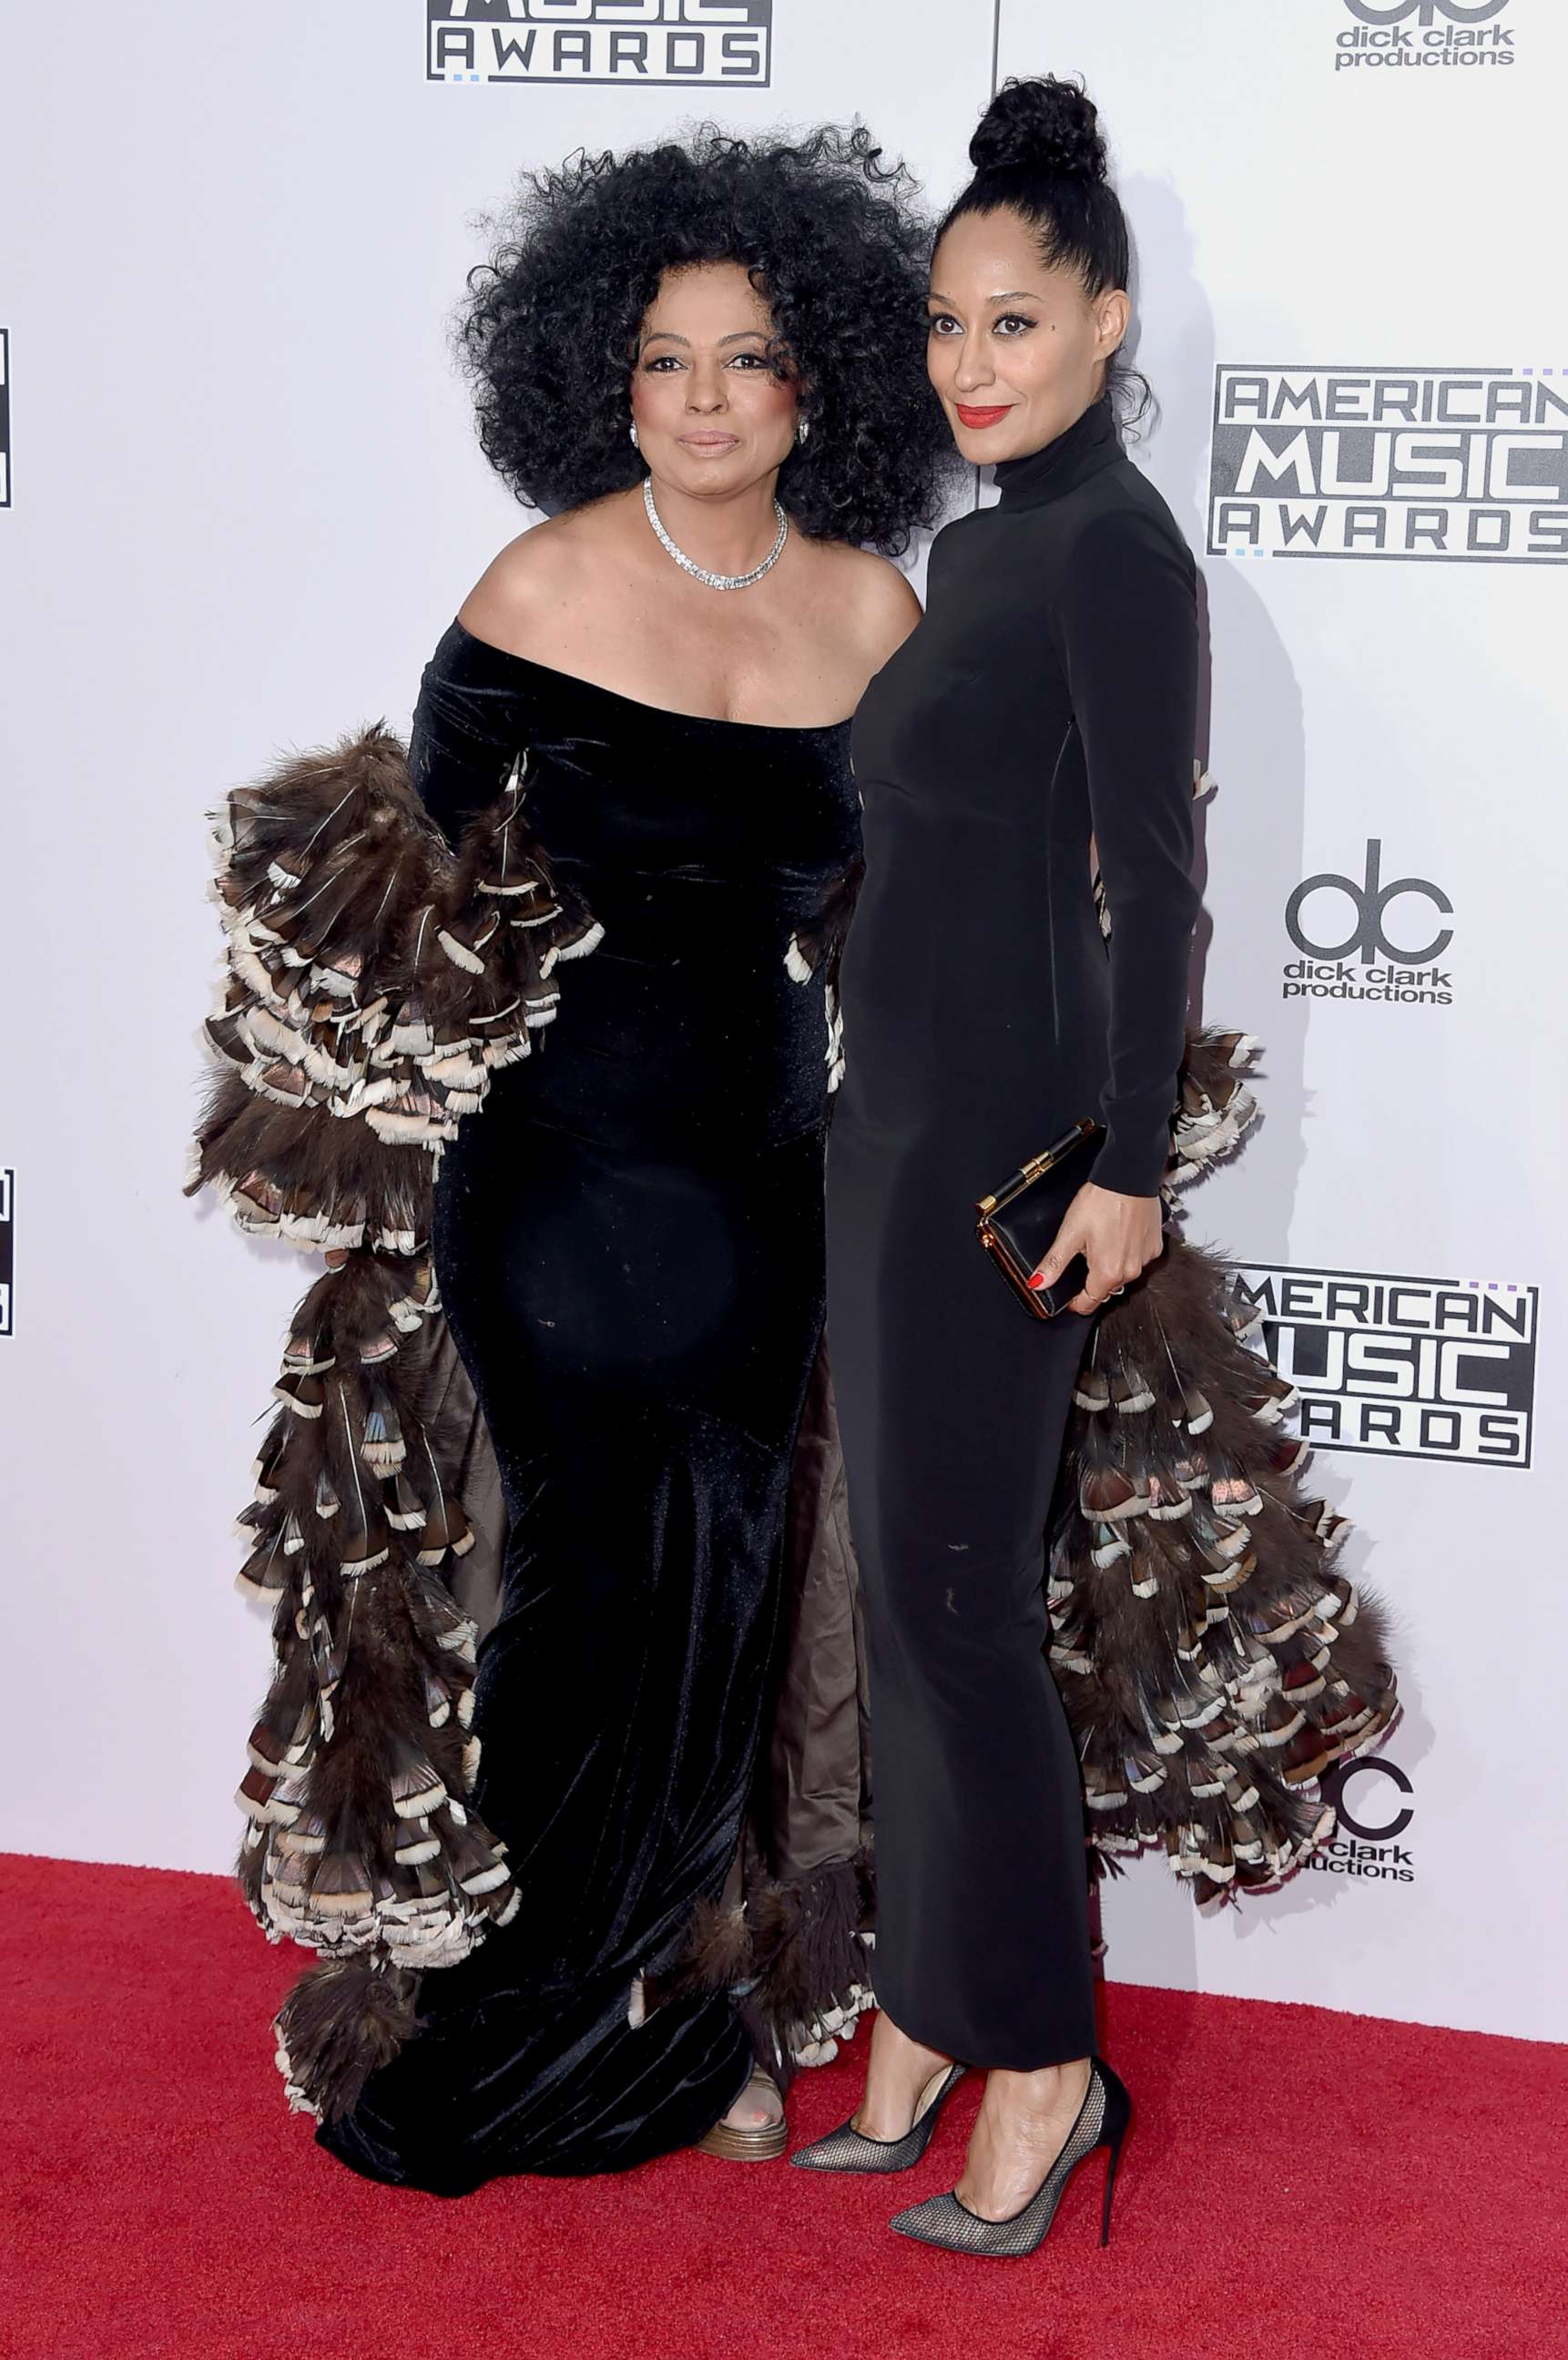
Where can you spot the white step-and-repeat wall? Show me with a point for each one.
(242, 499)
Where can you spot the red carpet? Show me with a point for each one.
(1300, 2186)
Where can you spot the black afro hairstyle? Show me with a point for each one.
(835, 244)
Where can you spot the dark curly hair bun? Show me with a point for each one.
(1045, 126)
(1038, 153)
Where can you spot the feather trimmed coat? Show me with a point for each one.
(1214, 1660)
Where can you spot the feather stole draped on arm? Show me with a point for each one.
(374, 983)
(1214, 1660)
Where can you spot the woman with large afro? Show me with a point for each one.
(703, 361)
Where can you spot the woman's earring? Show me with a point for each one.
(803, 430)
(635, 444)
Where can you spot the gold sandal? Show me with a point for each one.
(760, 2145)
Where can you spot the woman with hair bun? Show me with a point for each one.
(704, 360)
(1017, 974)
(1046, 709)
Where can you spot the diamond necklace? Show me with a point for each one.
(700, 573)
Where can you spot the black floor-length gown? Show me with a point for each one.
(629, 1244)
(1047, 697)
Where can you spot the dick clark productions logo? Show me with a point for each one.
(1424, 33)
(1371, 1822)
(625, 42)
(1360, 938)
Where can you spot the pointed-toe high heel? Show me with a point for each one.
(1103, 2121)
(848, 2149)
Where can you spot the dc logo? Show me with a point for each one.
(1427, 12)
(1368, 939)
(1378, 1831)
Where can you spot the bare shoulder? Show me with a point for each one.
(522, 595)
(867, 597)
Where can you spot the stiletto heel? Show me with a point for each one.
(848, 2149)
(1111, 2160)
(1101, 2121)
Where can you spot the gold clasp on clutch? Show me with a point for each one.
(1039, 1165)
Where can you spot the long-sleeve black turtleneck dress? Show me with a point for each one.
(1042, 716)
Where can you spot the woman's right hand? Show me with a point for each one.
(1117, 1236)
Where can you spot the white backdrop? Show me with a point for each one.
(244, 499)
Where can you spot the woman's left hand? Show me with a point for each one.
(1117, 1236)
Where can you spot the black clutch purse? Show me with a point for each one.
(1017, 1224)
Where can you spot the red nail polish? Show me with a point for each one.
(1035, 1279)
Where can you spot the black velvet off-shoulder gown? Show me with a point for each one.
(629, 1244)
(1048, 697)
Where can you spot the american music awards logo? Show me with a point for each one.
(1387, 462)
(1367, 938)
(1402, 34)
(625, 42)
(5, 418)
(1376, 1803)
(1410, 1368)
(8, 1234)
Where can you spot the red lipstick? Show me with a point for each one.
(968, 417)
